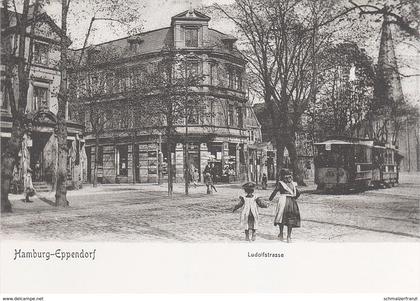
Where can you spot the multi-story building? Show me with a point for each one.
(39, 148)
(222, 132)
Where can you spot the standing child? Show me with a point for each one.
(249, 214)
(28, 186)
(287, 210)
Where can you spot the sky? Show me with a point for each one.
(157, 13)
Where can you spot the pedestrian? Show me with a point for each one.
(287, 210)
(28, 186)
(208, 178)
(249, 214)
(195, 177)
(264, 182)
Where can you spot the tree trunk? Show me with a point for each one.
(133, 166)
(61, 189)
(280, 145)
(8, 161)
(170, 184)
(294, 159)
(9, 156)
(95, 168)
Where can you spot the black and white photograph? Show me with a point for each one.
(254, 125)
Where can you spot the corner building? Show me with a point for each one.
(221, 136)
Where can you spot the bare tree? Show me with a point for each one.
(282, 41)
(176, 100)
(18, 62)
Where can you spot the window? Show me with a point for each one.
(191, 37)
(238, 80)
(41, 53)
(192, 69)
(94, 84)
(193, 116)
(4, 96)
(152, 67)
(230, 77)
(213, 74)
(122, 160)
(40, 98)
(230, 115)
(109, 83)
(138, 77)
(240, 117)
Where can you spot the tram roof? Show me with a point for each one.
(343, 142)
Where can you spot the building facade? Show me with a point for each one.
(39, 147)
(220, 133)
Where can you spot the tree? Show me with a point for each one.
(99, 113)
(282, 42)
(404, 14)
(345, 91)
(18, 62)
(61, 182)
(175, 98)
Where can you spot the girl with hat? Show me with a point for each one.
(287, 210)
(249, 214)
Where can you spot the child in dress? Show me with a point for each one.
(287, 210)
(249, 214)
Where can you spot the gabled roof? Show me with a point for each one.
(191, 15)
(42, 16)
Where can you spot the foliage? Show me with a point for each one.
(345, 91)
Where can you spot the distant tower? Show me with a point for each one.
(388, 89)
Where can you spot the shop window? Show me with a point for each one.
(122, 160)
(4, 101)
(191, 37)
(40, 53)
(40, 98)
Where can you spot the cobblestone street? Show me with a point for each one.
(145, 213)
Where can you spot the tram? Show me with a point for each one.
(344, 164)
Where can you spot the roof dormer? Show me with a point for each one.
(190, 29)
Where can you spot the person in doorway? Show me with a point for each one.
(249, 214)
(28, 186)
(287, 210)
(195, 177)
(264, 181)
(37, 171)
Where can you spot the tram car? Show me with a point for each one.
(385, 158)
(344, 164)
